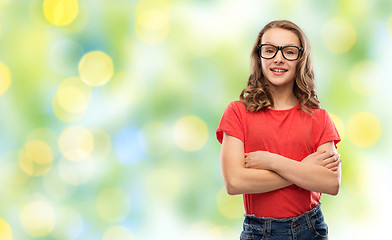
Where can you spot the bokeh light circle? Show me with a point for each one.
(389, 26)
(36, 158)
(118, 233)
(72, 99)
(366, 78)
(38, 218)
(209, 231)
(76, 143)
(12, 174)
(113, 204)
(339, 35)
(230, 206)
(5, 230)
(55, 186)
(63, 115)
(5, 78)
(45, 135)
(69, 224)
(364, 129)
(60, 12)
(76, 172)
(102, 144)
(163, 185)
(339, 125)
(152, 26)
(39, 151)
(199, 230)
(127, 145)
(96, 68)
(156, 139)
(190, 133)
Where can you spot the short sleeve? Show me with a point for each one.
(232, 122)
(329, 132)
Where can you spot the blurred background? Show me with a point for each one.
(108, 111)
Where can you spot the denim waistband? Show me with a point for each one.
(283, 225)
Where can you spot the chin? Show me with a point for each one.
(280, 82)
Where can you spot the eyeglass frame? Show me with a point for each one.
(280, 48)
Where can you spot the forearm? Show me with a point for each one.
(306, 175)
(246, 180)
(241, 180)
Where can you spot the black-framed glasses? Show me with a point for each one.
(291, 53)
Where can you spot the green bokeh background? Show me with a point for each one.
(155, 188)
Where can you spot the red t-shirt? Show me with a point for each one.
(291, 133)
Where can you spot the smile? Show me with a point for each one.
(278, 70)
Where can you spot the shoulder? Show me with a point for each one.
(237, 106)
(319, 112)
(321, 116)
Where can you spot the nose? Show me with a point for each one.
(279, 57)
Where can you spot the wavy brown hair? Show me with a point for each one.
(257, 95)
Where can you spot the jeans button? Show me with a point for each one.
(296, 224)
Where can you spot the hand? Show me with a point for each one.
(330, 160)
(258, 159)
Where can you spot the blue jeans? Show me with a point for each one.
(308, 226)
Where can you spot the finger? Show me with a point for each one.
(323, 155)
(332, 165)
(324, 160)
(335, 158)
(327, 162)
(328, 155)
(318, 153)
(331, 160)
(333, 152)
(322, 151)
(248, 165)
(334, 169)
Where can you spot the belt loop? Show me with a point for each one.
(267, 226)
(308, 221)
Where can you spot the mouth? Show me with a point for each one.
(278, 70)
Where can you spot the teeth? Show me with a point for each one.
(278, 70)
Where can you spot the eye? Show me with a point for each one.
(291, 51)
(269, 49)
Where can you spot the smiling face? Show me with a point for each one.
(278, 70)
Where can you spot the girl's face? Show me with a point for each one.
(278, 70)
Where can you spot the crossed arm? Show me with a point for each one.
(263, 171)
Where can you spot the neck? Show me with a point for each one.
(284, 98)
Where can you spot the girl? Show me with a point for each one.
(278, 146)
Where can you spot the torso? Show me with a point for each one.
(290, 133)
